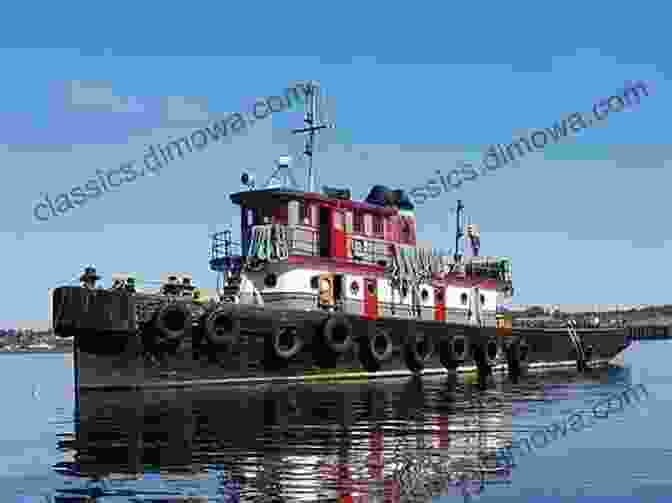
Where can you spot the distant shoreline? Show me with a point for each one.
(36, 351)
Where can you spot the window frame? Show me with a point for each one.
(306, 213)
(378, 227)
(405, 231)
(358, 226)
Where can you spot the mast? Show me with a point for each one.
(311, 118)
(459, 231)
(473, 233)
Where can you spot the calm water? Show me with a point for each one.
(402, 440)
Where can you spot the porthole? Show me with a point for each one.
(354, 287)
(482, 299)
(271, 280)
(463, 299)
(424, 294)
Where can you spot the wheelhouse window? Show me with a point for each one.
(263, 216)
(358, 223)
(339, 220)
(305, 213)
(279, 214)
(377, 226)
(405, 231)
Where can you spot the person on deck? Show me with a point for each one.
(89, 278)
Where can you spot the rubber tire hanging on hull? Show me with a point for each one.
(168, 328)
(480, 358)
(334, 338)
(221, 328)
(281, 335)
(337, 334)
(517, 354)
(453, 352)
(277, 354)
(171, 323)
(370, 355)
(491, 351)
(418, 349)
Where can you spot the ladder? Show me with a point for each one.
(576, 341)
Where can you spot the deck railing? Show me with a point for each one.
(580, 323)
(223, 251)
(305, 241)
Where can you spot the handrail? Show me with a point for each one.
(304, 240)
(576, 341)
(562, 325)
(222, 245)
(372, 251)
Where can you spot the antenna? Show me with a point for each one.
(474, 235)
(312, 92)
(459, 232)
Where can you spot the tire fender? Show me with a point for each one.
(416, 359)
(448, 351)
(290, 333)
(172, 322)
(332, 328)
(488, 350)
(369, 356)
(222, 327)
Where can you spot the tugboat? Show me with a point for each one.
(319, 286)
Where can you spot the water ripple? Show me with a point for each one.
(402, 440)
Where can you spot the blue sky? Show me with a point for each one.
(412, 89)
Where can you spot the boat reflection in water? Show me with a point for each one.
(405, 440)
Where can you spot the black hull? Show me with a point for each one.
(248, 361)
(116, 348)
